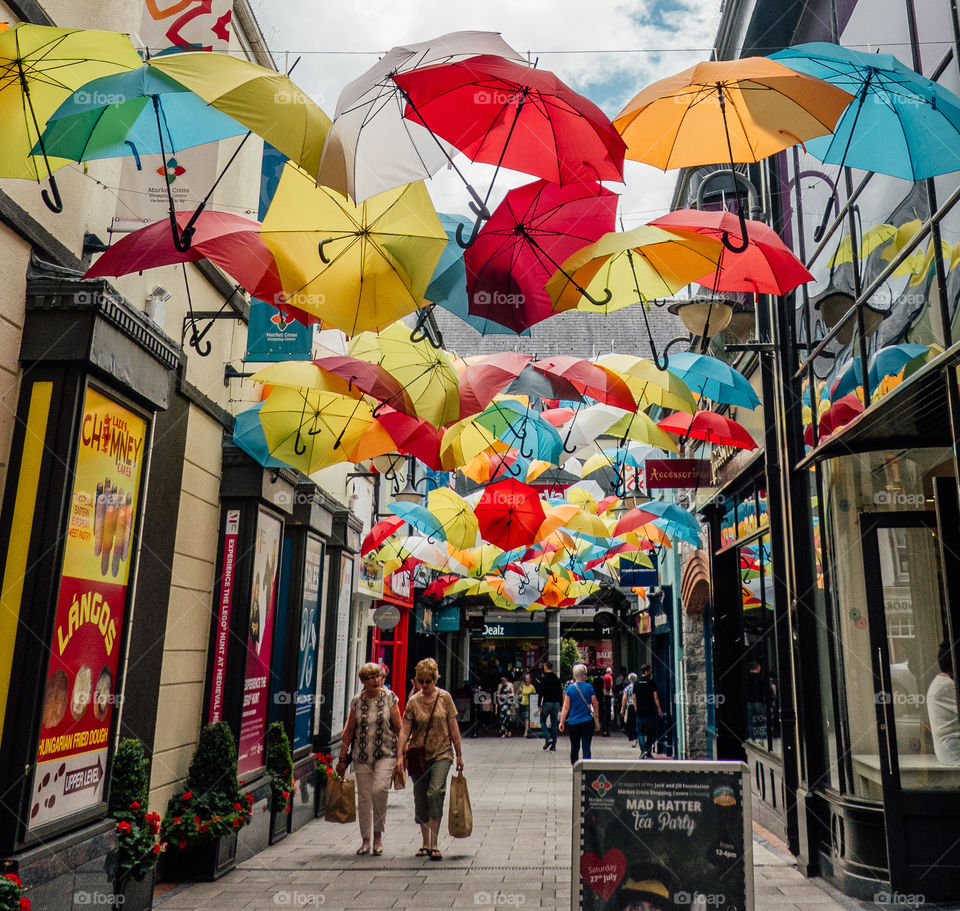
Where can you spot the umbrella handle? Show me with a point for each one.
(320, 250)
(481, 218)
(55, 204)
(298, 447)
(744, 240)
(607, 297)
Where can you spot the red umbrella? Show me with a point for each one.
(710, 427)
(370, 379)
(558, 416)
(767, 266)
(379, 533)
(413, 436)
(438, 587)
(510, 115)
(508, 372)
(840, 413)
(509, 514)
(636, 518)
(590, 380)
(531, 233)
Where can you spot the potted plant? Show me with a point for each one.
(325, 772)
(279, 762)
(10, 897)
(201, 823)
(138, 843)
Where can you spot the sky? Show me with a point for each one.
(605, 49)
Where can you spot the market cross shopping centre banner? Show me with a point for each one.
(663, 836)
(81, 688)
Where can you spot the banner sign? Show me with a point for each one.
(273, 336)
(438, 619)
(676, 473)
(344, 603)
(309, 639)
(231, 535)
(398, 588)
(370, 582)
(632, 574)
(501, 629)
(661, 835)
(256, 683)
(81, 687)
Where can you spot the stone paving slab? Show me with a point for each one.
(519, 852)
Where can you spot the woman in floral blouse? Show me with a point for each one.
(372, 728)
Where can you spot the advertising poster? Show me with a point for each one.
(344, 601)
(309, 641)
(229, 563)
(256, 683)
(663, 836)
(81, 686)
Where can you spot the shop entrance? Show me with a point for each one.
(916, 767)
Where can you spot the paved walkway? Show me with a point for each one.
(518, 856)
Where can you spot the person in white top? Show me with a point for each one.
(942, 709)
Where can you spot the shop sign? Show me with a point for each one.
(386, 616)
(644, 623)
(370, 581)
(676, 473)
(605, 653)
(633, 574)
(273, 335)
(438, 620)
(344, 603)
(498, 629)
(309, 640)
(81, 686)
(253, 716)
(398, 588)
(228, 561)
(692, 844)
(661, 621)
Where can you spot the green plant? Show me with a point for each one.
(211, 805)
(279, 762)
(10, 897)
(569, 656)
(138, 846)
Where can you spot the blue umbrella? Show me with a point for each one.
(248, 435)
(887, 361)
(420, 518)
(712, 378)
(674, 520)
(448, 287)
(899, 122)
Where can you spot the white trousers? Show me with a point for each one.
(373, 786)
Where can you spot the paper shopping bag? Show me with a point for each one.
(460, 822)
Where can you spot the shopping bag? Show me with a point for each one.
(341, 800)
(460, 821)
(399, 779)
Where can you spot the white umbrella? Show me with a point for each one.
(588, 424)
(371, 147)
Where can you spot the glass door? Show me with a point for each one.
(916, 770)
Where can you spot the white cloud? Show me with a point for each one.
(606, 50)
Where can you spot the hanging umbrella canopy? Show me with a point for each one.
(709, 427)
(412, 547)
(509, 373)
(898, 122)
(426, 374)
(248, 435)
(379, 533)
(509, 513)
(412, 436)
(713, 379)
(266, 102)
(888, 361)
(371, 147)
(766, 266)
(455, 515)
(649, 384)
(508, 114)
(591, 380)
(521, 427)
(633, 520)
(586, 425)
(640, 428)
(357, 267)
(419, 518)
(138, 112)
(534, 229)
(635, 266)
(840, 413)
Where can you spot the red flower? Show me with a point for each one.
(24, 903)
(176, 820)
(236, 823)
(157, 848)
(237, 806)
(286, 795)
(241, 782)
(14, 879)
(123, 826)
(135, 805)
(249, 798)
(182, 844)
(196, 820)
(288, 809)
(188, 795)
(203, 828)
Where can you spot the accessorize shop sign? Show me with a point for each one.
(676, 473)
(81, 687)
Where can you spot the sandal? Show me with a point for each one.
(363, 849)
(423, 852)
(435, 854)
(377, 850)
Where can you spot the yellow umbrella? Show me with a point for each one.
(356, 267)
(268, 103)
(641, 428)
(40, 67)
(557, 517)
(311, 430)
(425, 373)
(650, 532)
(456, 516)
(650, 385)
(483, 558)
(635, 266)
(467, 440)
(580, 497)
(588, 524)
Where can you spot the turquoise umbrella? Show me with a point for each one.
(713, 379)
(420, 518)
(887, 361)
(522, 428)
(248, 435)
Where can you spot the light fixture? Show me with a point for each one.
(833, 304)
(388, 464)
(703, 316)
(409, 494)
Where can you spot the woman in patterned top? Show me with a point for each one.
(430, 721)
(372, 728)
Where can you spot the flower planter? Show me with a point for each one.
(201, 863)
(321, 794)
(136, 895)
(279, 825)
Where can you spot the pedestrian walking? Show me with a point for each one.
(504, 706)
(628, 710)
(429, 740)
(646, 698)
(550, 691)
(580, 706)
(527, 689)
(371, 735)
(607, 704)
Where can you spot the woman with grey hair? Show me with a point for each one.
(628, 710)
(580, 706)
(371, 730)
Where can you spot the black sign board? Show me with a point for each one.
(676, 835)
(632, 574)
